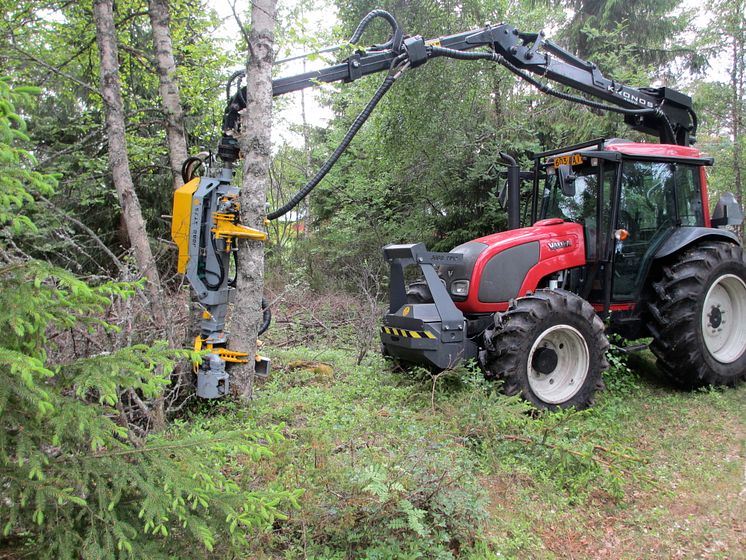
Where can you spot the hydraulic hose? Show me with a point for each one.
(396, 33)
(266, 318)
(221, 275)
(229, 85)
(189, 167)
(695, 122)
(495, 57)
(321, 173)
(464, 55)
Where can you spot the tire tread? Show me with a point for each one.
(506, 343)
(673, 314)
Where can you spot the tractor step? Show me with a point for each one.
(632, 349)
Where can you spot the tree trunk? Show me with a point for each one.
(119, 163)
(168, 87)
(307, 170)
(738, 83)
(256, 146)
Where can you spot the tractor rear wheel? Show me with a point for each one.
(698, 316)
(550, 348)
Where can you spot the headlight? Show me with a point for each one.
(460, 288)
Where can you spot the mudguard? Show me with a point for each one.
(685, 236)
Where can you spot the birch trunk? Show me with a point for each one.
(738, 90)
(307, 170)
(255, 142)
(119, 162)
(168, 87)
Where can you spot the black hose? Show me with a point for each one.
(321, 173)
(229, 84)
(465, 55)
(266, 318)
(220, 276)
(187, 172)
(695, 122)
(394, 43)
(495, 57)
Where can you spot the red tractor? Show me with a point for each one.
(619, 230)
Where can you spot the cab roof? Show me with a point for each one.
(625, 148)
(644, 149)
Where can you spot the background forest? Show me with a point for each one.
(104, 452)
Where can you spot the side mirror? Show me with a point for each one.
(727, 211)
(566, 180)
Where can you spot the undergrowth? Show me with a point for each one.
(395, 465)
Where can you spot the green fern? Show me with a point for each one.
(415, 518)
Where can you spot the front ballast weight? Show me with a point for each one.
(205, 227)
(430, 334)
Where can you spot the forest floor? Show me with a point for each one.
(404, 465)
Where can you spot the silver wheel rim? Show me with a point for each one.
(568, 376)
(723, 317)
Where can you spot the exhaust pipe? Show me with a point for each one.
(514, 191)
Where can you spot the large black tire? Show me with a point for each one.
(553, 331)
(698, 316)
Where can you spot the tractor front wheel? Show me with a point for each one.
(698, 316)
(550, 348)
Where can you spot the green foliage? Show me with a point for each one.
(610, 34)
(384, 485)
(566, 450)
(423, 507)
(17, 178)
(74, 482)
(620, 378)
(408, 466)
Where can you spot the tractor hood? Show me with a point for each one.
(505, 265)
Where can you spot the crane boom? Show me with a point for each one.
(661, 111)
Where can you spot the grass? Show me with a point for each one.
(394, 469)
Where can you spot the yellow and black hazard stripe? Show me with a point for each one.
(407, 334)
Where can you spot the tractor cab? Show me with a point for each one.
(630, 198)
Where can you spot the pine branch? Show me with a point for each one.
(155, 448)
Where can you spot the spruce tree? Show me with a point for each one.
(74, 483)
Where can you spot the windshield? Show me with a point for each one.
(580, 208)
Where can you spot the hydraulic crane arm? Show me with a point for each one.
(664, 112)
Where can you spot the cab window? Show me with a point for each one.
(581, 208)
(655, 197)
(689, 195)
